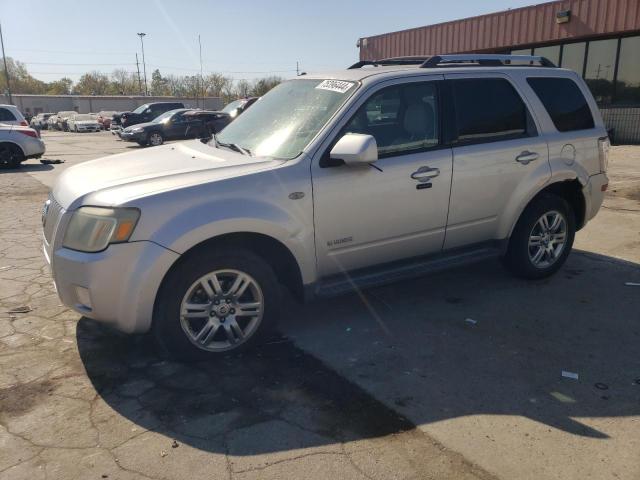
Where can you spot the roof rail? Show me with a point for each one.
(487, 60)
(462, 60)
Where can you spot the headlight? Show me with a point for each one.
(92, 229)
(136, 129)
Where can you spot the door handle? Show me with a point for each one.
(424, 174)
(526, 157)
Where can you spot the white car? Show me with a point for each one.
(18, 143)
(41, 120)
(10, 115)
(83, 123)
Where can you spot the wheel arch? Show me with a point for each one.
(570, 190)
(15, 144)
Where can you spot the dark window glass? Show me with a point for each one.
(403, 118)
(6, 115)
(573, 57)
(488, 109)
(628, 87)
(564, 101)
(552, 53)
(601, 62)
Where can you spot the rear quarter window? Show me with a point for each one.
(564, 102)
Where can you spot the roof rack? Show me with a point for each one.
(464, 60)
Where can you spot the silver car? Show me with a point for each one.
(330, 183)
(19, 143)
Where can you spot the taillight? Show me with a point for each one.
(29, 132)
(23, 123)
(603, 152)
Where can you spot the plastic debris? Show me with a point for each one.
(175, 444)
(22, 309)
(51, 162)
(601, 386)
(572, 375)
(632, 284)
(471, 321)
(163, 453)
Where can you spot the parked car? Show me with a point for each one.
(177, 124)
(17, 144)
(52, 122)
(212, 121)
(144, 113)
(104, 118)
(62, 120)
(40, 121)
(236, 107)
(10, 115)
(83, 122)
(479, 158)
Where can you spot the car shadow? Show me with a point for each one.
(467, 342)
(28, 167)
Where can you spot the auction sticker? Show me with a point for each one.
(339, 86)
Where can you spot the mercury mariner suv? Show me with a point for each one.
(329, 183)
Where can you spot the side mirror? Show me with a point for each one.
(355, 149)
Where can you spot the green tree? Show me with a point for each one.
(92, 83)
(60, 87)
(159, 84)
(263, 85)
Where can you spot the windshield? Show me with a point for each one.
(232, 106)
(165, 116)
(284, 121)
(141, 108)
(83, 117)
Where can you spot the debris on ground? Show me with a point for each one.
(163, 453)
(21, 309)
(632, 284)
(601, 386)
(175, 444)
(8, 267)
(471, 321)
(46, 161)
(571, 375)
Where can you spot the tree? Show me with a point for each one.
(60, 87)
(123, 82)
(243, 88)
(159, 84)
(20, 80)
(263, 85)
(92, 83)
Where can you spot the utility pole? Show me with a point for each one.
(297, 69)
(6, 70)
(144, 64)
(201, 77)
(139, 80)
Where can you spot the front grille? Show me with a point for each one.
(51, 218)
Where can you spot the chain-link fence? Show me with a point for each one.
(623, 123)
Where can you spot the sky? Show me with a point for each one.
(240, 38)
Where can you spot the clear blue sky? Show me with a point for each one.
(241, 38)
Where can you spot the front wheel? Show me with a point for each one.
(214, 303)
(542, 238)
(155, 138)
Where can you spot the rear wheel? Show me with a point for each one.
(215, 303)
(155, 138)
(10, 156)
(542, 239)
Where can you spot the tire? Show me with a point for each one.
(155, 139)
(177, 337)
(538, 247)
(142, 144)
(10, 156)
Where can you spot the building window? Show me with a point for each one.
(564, 102)
(601, 64)
(489, 110)
(573, 57)
(628, 83)
(552, 53)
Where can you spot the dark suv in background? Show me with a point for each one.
(144, 113)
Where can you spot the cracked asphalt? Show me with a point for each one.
(392, 384)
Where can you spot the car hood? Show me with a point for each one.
(117, 179)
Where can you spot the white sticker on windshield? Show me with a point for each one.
(339, 86)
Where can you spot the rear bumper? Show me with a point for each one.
(593, 193)
(34, 148)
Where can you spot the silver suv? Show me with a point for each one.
(330, 183)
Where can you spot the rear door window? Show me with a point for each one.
(564, 102)
(6, 115)
(489, 110)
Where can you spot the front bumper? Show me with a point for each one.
(132, 136)
(593, 193)
(117, 286)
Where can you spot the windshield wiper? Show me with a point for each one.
(233, 146)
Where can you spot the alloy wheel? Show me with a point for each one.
(155, 139)
(221, 310)
(547, 239)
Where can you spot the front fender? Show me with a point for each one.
(206, 221)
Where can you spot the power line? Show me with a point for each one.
(78, 64)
